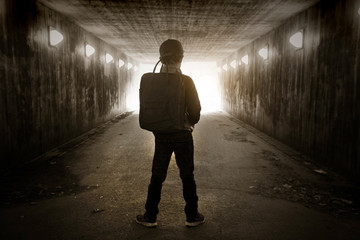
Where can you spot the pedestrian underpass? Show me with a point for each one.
(286, 71)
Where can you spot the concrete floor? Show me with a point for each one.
(249, 185)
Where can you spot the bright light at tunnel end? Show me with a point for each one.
(205, 76)
(206, 79)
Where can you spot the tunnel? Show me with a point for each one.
(277, 148)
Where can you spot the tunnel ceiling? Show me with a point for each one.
(209, 30)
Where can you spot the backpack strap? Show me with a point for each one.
(156, 65)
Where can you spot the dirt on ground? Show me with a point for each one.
(330, 192)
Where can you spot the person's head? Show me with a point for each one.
(171, 52)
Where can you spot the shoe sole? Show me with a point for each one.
(147, 224)
(194, 224)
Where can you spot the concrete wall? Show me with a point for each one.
(49, 95)
(308, 98)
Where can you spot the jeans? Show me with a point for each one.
(181, 143)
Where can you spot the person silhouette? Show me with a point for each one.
(179, 141)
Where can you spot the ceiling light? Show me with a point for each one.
(233, 64)
(55, 37)
(245, 59)
(225, 67)
(89, 50)
(297, 40)
(121, 63)
(129, 66)
(108, 58)
(264, 53)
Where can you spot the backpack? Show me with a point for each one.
(162, 102)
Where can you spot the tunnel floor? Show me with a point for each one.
(250, 186)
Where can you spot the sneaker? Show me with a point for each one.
(145, 221)
(199, 219)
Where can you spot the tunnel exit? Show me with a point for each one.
(205, 77)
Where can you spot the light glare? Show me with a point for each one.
(207, 83)
(297, 40)
(245, 59)
(89, 50)
(108, 58)
(264, 53)
(204, 75)
(129, 66)
(359, 11)
(55, 37)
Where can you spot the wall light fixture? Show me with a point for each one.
(55, 37)
(121, 63)
(108, 58)
(89, 50)
(264, 53)
(245, 59)
(233, 64)
(225, 67)
(297, 39)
